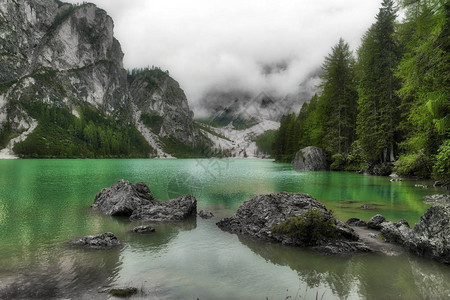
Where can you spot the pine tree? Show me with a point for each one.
(425, 93)
(378, 118)
(338, 99)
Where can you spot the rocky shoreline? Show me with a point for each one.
(300, 220)
(293, 219)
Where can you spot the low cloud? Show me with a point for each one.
(257, 45)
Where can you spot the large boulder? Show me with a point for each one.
(102, 241)
(375, 222)
(122, 198)
(293, 219)
(173, 210)
(310, 159)
(137, 202)
(431, 235)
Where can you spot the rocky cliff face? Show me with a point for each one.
(66, 56)
(162, 105)
(61, 54)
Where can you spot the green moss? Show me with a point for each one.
(310, 228)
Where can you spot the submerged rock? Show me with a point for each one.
(438, 198)
(205, 214)
(102, 241)
(122, 198)
(293, 219)
(137, 202)
(310, 159)
(143, 229)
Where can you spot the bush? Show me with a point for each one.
(441, 168)
(413, 164)
(339, 162)
(310, 228)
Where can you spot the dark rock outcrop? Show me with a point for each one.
(398, 232)
(437, 198)
(430, 237)
(205, 214)
(143, 229)
(137, 202)
(356, 222)
(310, 159)
(375, 222)
(293, 219)
(176, 209)
(122, 198)
(102, 241)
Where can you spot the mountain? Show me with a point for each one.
(238, 117)
(64, 91)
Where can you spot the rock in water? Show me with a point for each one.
(310, 159)
(136, 201)
(205, 214)
(356, 222)
(293, 219)
(438, 198)
(143, 229)
(375, 222)
(173, 210)
(431, 235)
(122, 198)
(102, 241)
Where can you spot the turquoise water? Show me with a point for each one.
(45, 203)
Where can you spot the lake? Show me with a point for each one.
(45, 203)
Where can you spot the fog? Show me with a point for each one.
(253, 45)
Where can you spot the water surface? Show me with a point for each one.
(45, 203)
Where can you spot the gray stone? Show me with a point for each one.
(431, 235)
(397, 233)
(205, 214)
(122, 198)
(310, 159)
(437, 198)
(102, 241)
(176, 209)
(143, 229)
(137, 202)
(375, 222)
(356, 222)
(258, 218)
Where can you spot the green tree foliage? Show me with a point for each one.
(425, 74)
(378, 114)
(264, 142)
(338, 99)
(327, 121)
(60, 134)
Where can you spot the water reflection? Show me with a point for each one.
(60, 273)
(370, 276)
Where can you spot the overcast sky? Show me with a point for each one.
(209, 43)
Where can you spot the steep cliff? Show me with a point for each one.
(162, 107)
(61, 68)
